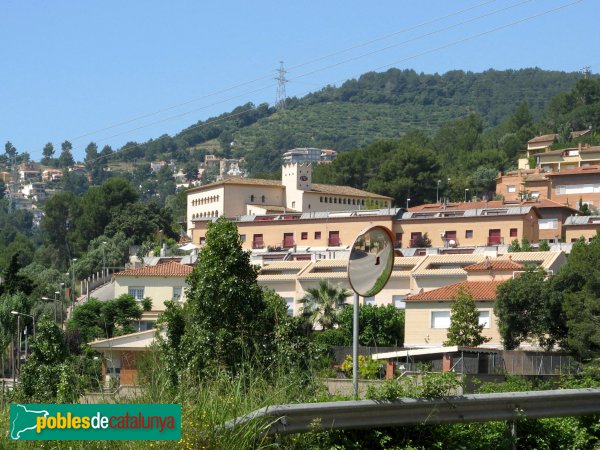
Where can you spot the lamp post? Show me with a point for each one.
(49, 299)
(407, 201)
(17, 313)
(466, 190)
(56, 296)
(437, 191)
(103, 258)
(73, 284)
(60, 296)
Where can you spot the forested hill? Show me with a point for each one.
(361, 111)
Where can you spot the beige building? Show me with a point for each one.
(303, 230)
(428, 313)
(164, 281)
(581, 226)
(540, 144)
(294, 193)
(410, 275)
(470, 224)
(582, 184)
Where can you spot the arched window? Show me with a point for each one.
(252, 198)
(320, 199)
(263, 198)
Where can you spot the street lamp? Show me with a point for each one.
(407, 201)
(56, 296)
(437, 191)
(466, 190)
(17, 313)
(103, 258)
(49, 299)
(73, 284)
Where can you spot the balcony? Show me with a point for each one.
(334, 242)
(258, 245)
(450, 242)
(495, 240)
(288, 243)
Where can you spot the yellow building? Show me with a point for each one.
(581, 226)
(294, 193)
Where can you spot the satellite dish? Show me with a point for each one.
(371, 261)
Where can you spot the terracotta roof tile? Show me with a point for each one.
(495, 264)
(462, 206)
(168, 269)
(543, 138)
(243, 181)
(480, 290)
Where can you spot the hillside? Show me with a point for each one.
(361, 111)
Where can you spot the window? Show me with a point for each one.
(242, 237)
(399, 301)
(202, 240)
(289, 302)
(511, 188)
(177, 294)
(548, 224)
(252, 198)
(440, 319)
(513, 232)
(370, 301)
(263, 198)
(294, 204)
(469, 234)
(561, 190)
(484, 319)
(136, 292)
(304, 235)
(317, 235)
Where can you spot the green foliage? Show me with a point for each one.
(421, 241)
(104, 319)
(46, 376)
(527, 309)
(226, 320)
(464, 327)
(380, 326)
(544, 246)
(368, 368)
(514, 246)
(322, 305)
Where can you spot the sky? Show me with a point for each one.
(115, 71)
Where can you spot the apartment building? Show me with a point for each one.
(573, 187)
(540, 144)
(471, 224)
(294, 193)
(428, 312)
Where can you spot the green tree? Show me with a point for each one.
(58, 227)
(544, 246)
(47, 376)
(526, 310)
(380, 326)
(48, 155)
(226, 315)
(66, 158)
(464, 327)
(323, 305)
(421, 241)
(514, 246)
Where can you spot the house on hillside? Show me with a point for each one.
(161, 282)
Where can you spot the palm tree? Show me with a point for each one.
(322, 305)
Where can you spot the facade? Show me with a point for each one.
(164, 281)
(540, 144)
(294, 193)
(574, 186)
(581, 226)
(410, 275)
(120, 356)
(309, 155)
(303, 230)
(472, 224)
(428, 314)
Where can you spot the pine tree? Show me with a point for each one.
(464, 322)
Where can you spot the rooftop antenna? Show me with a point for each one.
(281, 80)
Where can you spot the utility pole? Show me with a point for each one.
(281, 80)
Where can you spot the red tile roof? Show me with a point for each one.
(167, 269)
(480, 290)
(543, 138)
(495, 264)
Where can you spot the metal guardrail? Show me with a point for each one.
(511, 406)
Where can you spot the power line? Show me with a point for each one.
(466, 39)
(246, 83)
(243, 94)
(280, 100)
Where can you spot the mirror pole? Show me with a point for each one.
(355, 347)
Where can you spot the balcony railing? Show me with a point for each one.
(450, 242)
(495, 240)
(334, 242)
(288, 243)
(258, 245)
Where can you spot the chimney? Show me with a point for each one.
(579, 146)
